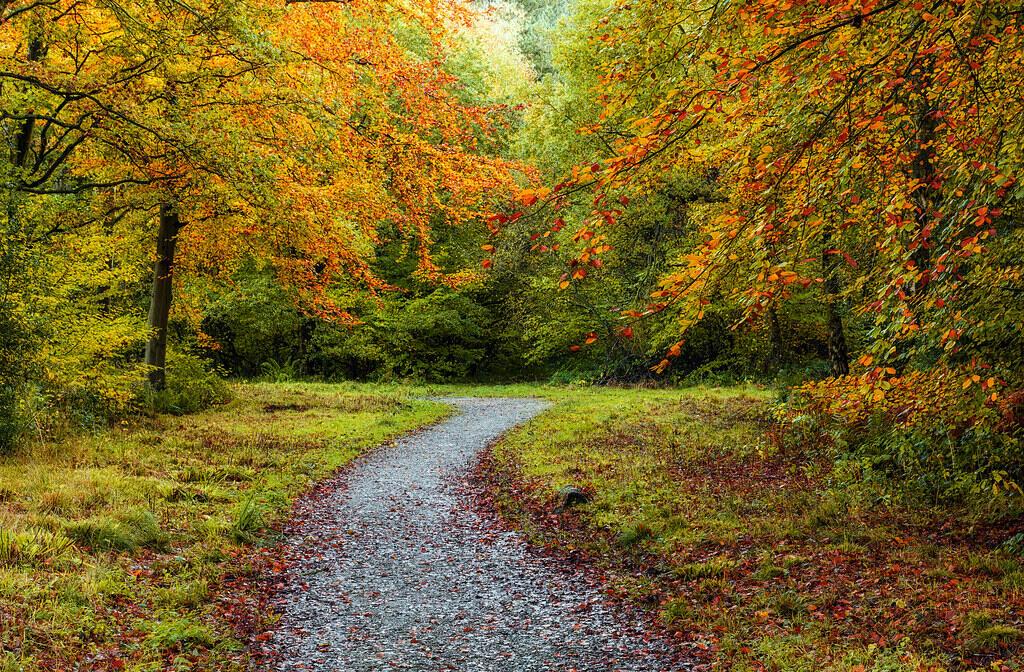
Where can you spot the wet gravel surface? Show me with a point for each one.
(393, 569)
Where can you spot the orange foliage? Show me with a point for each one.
(879, 133)
(300, 133)
(914, 399)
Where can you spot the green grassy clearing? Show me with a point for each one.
(758, 560)
(113, 546)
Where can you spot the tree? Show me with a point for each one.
(879, 136)
(284, 131)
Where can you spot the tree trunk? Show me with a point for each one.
(926, 200)
(23, 139)
(778, 347)
(838, 352)
(160, 300)
(926, 197)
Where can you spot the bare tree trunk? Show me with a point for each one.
(160, 300)
(838, 351)
(926, 197)
(23, 138)
(778, 347)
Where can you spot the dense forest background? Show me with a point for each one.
(579, 191)
(510, 323)
(76, 333)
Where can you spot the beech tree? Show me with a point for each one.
(284, 131)
(869, 150)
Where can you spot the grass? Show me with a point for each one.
(761, 560)
(115, 546)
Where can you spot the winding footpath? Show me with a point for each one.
(394, 570)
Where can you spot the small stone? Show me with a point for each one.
(571, 496)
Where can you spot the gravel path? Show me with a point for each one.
(394, 571)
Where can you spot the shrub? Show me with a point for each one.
(253, 320)
(274, 371)
(437, 337)
(59, 408)
(930, 433)
(192, 385)
(10, 422)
